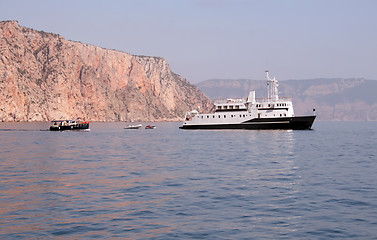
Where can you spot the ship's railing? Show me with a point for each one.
(281, 99)
(230, 100)
(243, 100)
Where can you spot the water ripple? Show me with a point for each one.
(168, 183)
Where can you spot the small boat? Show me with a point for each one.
(133, 126)
(150, 127)
(272, 112)
(61, 125)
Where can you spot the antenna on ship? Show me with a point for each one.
(272, 88)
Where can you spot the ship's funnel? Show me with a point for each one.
(251, 97)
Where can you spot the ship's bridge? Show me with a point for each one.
(230, 104)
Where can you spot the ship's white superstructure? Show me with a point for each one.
(250, 113)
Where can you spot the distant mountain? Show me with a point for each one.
(353, 99)
(43, 77)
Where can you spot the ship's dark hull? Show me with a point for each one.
(81, 126)
(294, 123)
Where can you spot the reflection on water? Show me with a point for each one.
(169, 183)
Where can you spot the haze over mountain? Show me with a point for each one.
(43, 77)
(353, 99)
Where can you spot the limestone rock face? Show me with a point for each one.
(43, 77)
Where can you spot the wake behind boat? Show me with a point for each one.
(61, 125)
(251, 113)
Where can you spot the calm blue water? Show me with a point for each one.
(169, 183)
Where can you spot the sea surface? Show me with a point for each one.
(168, 183)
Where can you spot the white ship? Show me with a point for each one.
(251, 113)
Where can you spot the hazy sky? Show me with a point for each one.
(233, 39)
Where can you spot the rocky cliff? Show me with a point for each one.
(43, 77)
(352, 99)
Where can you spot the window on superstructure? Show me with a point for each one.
(230, 107)
(237, 107)
(225, 107)
(218, 107)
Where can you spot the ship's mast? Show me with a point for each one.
(272, 88)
